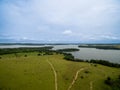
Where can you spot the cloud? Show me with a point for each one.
(101, 37)
(46, 19)
(78, 12)
(67, 32)
(110, 37)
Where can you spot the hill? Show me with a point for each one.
(28, 71)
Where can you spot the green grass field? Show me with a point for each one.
(35, 73)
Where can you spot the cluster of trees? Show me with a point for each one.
(114, 84)
(70, 57)
(106, 63)
(45, 53)
(68, 50)
(101, 46)
(25, 50)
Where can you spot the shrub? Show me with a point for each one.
(87, 71)
(81, 77)
(119, 77)
(25, 55)
(68, 56)
(95, 65)
(108, 81)
(39, 54)
(114, 84)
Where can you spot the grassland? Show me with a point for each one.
(35, 73)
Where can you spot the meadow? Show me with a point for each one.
(28, 71)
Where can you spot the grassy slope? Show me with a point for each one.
(34, 73)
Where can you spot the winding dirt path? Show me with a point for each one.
(55, 74)
(75, 78)
(91, 85)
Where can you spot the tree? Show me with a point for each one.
(25, 55)
(108, 81)
(39, 54)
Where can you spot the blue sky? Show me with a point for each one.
(60, 21)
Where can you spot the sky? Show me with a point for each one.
(58, 21)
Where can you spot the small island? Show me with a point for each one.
(68, 50)
(101, 46)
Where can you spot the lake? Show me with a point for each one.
(93, 53)
(18, 46)
(84, 53)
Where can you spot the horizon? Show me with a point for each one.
(59, 43)
(65, 21)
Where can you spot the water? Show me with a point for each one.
(93, 53)
(84, 53)
(18, 46)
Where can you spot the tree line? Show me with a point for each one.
(70, 57)
(107, 47)
(24, 50)
(49, 51)
(68, 50)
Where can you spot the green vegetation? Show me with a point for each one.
(70, 57)
(113, 83)
(68, 50)
(106, 63)
(48, 51)
(101, 46)
(23, 50)
(31, 71)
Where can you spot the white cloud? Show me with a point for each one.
(24, 38)
(102, 37)
(67, 32)
(77, 12)
(41, 19)
(66, 12)
(111, 37)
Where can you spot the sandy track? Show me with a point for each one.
(55, 74)
(91, 85)
(75, 78)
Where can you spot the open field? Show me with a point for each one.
(51, 72)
